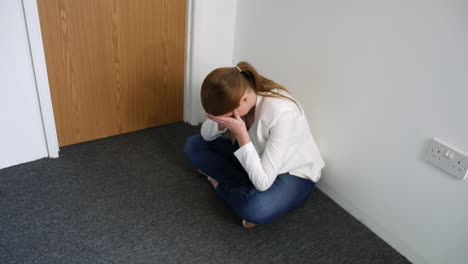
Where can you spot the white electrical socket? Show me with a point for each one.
(447, 158)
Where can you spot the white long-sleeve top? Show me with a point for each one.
(281, 142)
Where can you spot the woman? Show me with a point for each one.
(270, 163)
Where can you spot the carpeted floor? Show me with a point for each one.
(134, 198)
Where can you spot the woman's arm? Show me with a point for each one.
(263, 171)
(210, 130)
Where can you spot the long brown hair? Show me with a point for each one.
(224, 87)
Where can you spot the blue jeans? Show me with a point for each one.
(216, 158)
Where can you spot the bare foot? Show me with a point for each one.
(213, 182)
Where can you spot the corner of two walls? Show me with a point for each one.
(212, 46)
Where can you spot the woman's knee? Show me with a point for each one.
(263, 207)
(195, 148)
(193, 145)
(259, 211)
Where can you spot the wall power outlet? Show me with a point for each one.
(447, 158)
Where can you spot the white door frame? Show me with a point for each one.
(40, 71)
(188, 117)
(31, 15)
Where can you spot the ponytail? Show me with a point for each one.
(260, 84)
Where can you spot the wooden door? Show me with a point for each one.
(114, 66)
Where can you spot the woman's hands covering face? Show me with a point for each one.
(235, 124)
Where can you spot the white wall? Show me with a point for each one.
(213, 24)
(377, 79)
(21, 132)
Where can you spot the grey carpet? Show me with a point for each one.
(134, 198)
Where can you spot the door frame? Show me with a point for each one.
(33, 27)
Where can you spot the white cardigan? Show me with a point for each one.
(281, 142)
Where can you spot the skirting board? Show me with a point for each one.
(370, 223)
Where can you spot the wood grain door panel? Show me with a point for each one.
(114, 66)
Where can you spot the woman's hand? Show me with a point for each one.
(235, 124)
(220, 126)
